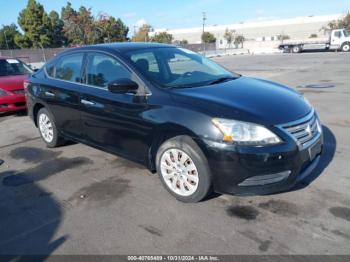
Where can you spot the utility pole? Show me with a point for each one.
(204, 18)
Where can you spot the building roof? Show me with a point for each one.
(255, 24)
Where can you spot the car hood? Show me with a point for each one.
(10, 83)
(246, 99)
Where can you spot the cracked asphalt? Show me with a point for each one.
(78, 200)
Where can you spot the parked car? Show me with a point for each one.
(198, 125)
(13, 72)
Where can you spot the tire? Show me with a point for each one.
(296, 49)
(345, 47)
(189, 182)
(48, 130)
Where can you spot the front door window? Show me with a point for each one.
(103, 69)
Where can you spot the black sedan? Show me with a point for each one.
(201, 127)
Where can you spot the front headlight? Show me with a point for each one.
(2, 92)
(244, 133)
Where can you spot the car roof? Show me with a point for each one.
(122, 46)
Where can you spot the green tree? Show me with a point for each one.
(81, 28)
(340, 23)
(85, 22)
(70, 28)
(111, 30)
(184, 42)
(239, 40)
(8, 34)
(35, 24)
(142, 34)
(162, 37)
(78, 25)
(208, 37)
(282, 37)
(23, 41)
(57, 36)
(229, 36)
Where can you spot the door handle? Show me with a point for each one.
(47, 93)
(87, 102)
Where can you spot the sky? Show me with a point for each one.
(170, 14)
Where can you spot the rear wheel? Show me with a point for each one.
(183, 169)
(48, 130)
(345, 47)
(296, 49)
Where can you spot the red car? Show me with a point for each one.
(13, 72)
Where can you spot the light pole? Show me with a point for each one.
(43, 50)
(204, 18)
(217, 42)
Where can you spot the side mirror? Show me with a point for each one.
(122, 86)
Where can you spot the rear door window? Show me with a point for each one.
(69, 67)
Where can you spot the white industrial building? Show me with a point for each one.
(258, 34)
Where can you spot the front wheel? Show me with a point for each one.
(345, 47)
(48, 130)
(183, 169)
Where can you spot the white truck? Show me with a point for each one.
(338, 39)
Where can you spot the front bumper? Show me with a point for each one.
(253, 170)
(12, 103)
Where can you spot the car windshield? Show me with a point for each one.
(9, 67)
(172, 67)
(346, 33)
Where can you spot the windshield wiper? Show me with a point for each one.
(216, 81)
(180, 86)
(222, 79)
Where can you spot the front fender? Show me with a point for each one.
(175, 121)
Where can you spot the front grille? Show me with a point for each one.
(304, 131)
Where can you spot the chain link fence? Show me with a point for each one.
(32, 55)
(40, 56)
